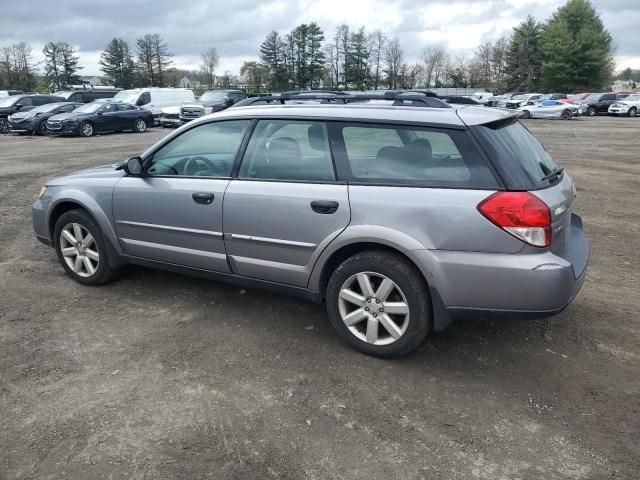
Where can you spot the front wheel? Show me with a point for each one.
(633, 111)
(591, 111)
(4, 125)
(140, 126)
(379, 303)
(42, 128)
(86, 129)
(566, 115)
(81, 249)
(526, 114)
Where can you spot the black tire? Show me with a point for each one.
(104, 272)
(566, 115)
(139, 126)
(41, 129)
(591, 111)
(526, 114)
(4, 125)
(410, 282)
(633, 111)
(86, 129)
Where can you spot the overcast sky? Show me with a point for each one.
(237, 27)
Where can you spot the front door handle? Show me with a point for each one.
(203, 198)
(324, 206)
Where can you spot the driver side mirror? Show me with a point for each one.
(19, 106)
(228, 101)
(133, 166)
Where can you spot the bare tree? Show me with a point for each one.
(393, 60)
(209, 62)
(433, 60)
(17, 67)
(377, 42)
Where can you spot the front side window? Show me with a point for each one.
(413, 155)
(109, 108)
(288, 150)
(207, 150)
(26, 102)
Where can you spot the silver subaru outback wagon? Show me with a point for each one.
(398, 218)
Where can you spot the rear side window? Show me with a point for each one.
(413, 156)
(26, 102)
(288, 150)
(521, 159)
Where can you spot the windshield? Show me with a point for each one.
(522, 157)
(8, 102)
(63, 94)
(49, 107)
(519, 97)
(126, 97)
(213, 96)
(89, 108)
(593, 97)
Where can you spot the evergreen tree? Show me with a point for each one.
(358, 67)
(116, 63)
(577, 50)
(60, 64)
(524, 57)
(271, 56)
(316, 59)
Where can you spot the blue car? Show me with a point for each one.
(93, 118)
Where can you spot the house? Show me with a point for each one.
(94, 81)
(189, 81)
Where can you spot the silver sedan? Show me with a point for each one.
(549, 109)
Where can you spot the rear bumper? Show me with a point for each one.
(520, 285)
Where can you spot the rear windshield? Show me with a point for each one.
(520, 158)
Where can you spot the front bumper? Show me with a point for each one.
(529, 285)
(618, 110)
(169, 121)
(63, 129)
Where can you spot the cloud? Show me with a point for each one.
(236, 28)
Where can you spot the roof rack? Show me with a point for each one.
(398, 99)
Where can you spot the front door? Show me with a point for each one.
(108, 119)
(285, 205)
(173, 214)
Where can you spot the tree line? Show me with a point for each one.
(571, 51)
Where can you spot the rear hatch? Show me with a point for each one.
(524, 165)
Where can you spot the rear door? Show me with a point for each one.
(285, 206)
(174, 213)
(606, 101)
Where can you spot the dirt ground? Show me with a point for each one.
(160, 376)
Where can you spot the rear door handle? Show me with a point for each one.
(324, 206)
(203, 198)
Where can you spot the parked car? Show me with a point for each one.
(548, 96)
(209, 102)
(88, 95)
(549, 109)
(458, 100)
(392, 216)
(596, 103)
(482, 97)
(21, 103)
(35, 120)
(169, 117)
(504, 98)
(576, 97)
(630, 105)
(522, 100)
(8, 93)
(92, 118)
(155, 99)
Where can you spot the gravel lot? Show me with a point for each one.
(160, 376)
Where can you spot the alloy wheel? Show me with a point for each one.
(373, 308)
(633, 112)
(141, 126)
(4, 126)
(87, 129)
(79, 250)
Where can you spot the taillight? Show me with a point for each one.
(521, 214)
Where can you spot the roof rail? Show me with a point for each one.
(398, 99)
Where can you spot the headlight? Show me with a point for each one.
(208, 110)
(43, 190)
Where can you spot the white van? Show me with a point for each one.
(482, 97)
(155, 99)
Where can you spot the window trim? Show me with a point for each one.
(344, 168)
(236, 170)
(147, 161)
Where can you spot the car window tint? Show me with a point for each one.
(414, 155)
(207, 150)
(123, 107)
(109, 107)
(26, 102)
(288, 150)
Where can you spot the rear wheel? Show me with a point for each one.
(633, 111)
(42, 128)
(591, 111)
(526, 114)
(4, 125)
(86, 129)
(566, 115)
(140, 126)
(379, 303)
(81, 249)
